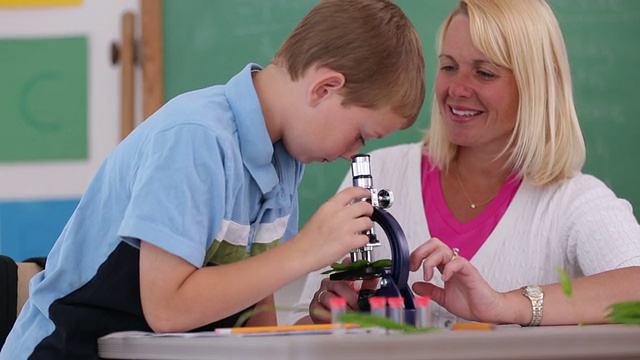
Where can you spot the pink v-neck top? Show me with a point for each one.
(470, 236)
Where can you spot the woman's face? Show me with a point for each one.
(478, 100)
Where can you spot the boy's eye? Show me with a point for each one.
(361, 139)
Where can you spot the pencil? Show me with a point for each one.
(472, 326)
(263, 329)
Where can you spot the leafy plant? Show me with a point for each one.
(367, 320)
(625, 312)
(358, 264)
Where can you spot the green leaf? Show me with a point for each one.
(625, 312)
(565, 282)
(336, 267)
(382, 263)
(367, 320)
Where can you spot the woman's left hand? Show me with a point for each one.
(465, 293)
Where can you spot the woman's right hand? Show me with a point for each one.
(465, 293)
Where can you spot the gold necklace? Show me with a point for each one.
(472, 205)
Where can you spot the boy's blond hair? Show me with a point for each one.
(372, 43)
(525, 37)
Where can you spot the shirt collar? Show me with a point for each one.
(255, 143)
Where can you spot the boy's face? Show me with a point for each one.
(335, 131)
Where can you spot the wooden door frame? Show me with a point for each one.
(151, 56)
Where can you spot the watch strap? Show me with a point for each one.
(536, 296)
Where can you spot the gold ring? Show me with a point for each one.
(455, 253)
(320, 295)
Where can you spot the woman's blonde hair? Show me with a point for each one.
(525, 37)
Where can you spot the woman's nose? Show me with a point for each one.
(460, 87)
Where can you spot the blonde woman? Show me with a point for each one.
(497, 187)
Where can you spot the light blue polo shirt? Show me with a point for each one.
(200, 179)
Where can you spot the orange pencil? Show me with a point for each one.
(264, 329)
(472, 326)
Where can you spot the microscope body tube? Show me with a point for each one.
(361, 175)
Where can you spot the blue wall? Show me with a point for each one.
(29, 228)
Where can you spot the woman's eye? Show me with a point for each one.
(486, 74)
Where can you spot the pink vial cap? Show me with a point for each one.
(377, 301)
(422, 301)
(395, 302)
(338, 302)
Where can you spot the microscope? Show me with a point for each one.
(393, 279)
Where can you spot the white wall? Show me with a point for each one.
(99, 21)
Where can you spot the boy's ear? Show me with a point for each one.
(325, 83)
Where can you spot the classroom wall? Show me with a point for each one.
(49, 153)
(59, 112)
(207, 42)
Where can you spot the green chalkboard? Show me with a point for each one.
(207, 42)
(43, 98)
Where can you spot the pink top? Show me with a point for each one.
(470, 236)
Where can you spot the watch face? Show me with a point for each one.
(534, 290)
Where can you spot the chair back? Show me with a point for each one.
(8, 296)
(14, 289)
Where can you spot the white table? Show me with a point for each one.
(508, 342)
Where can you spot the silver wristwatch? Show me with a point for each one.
(536, 296)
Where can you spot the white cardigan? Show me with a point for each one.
(578, 225)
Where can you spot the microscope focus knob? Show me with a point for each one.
(385, 198)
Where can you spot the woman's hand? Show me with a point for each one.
(465, 293)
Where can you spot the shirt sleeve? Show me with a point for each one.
(177, 194)
(603, 228)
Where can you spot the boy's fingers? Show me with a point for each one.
(346, 196)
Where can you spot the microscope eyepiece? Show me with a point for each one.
(361, 171)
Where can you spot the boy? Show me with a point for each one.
(173, 232)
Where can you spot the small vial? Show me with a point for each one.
(378, 305)
(396, 309)
(338, 306)
(423, 312)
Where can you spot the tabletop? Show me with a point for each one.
(504, 342)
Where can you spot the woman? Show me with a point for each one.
(503, 203)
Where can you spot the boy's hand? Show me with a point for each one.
(336, 227)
